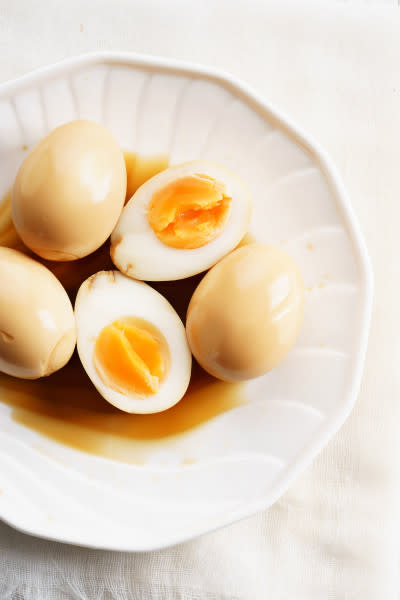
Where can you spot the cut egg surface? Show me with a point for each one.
(181, 222)
(132, 344)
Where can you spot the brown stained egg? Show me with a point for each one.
(246, 313)
(181, 222)
(69, 191)
(37, 325)
(132, 344)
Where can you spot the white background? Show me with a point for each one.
(334, 68)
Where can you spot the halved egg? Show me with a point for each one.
(181, 222)
(132, 344)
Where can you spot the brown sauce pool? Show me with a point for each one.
(66, 407)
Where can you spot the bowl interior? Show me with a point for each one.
(138, 490)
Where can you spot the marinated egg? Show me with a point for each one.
(246, 313)
(69, 191)
(37, 326)
(181, 222)
(131, 343)
(140, 169)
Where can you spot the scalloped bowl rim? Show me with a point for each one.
(240, 88)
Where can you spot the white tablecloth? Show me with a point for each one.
(335, 69)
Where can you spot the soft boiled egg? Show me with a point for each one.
(37, 325)
(181, 222)
(246, 313)
(132, 343)
(69, 191)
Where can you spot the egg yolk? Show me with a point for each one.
(189, 212)
(130, 357)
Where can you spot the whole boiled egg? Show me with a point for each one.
(246, 313)
(181, 222)
(37, 325)
(69, 191)
(132, 344)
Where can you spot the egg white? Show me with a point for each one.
(137, 251)
(109, 295)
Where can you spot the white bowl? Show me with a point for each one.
(247, 457)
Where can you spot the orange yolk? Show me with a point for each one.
(129, 358)
(189, 212)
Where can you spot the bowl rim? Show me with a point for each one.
(262, 106)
